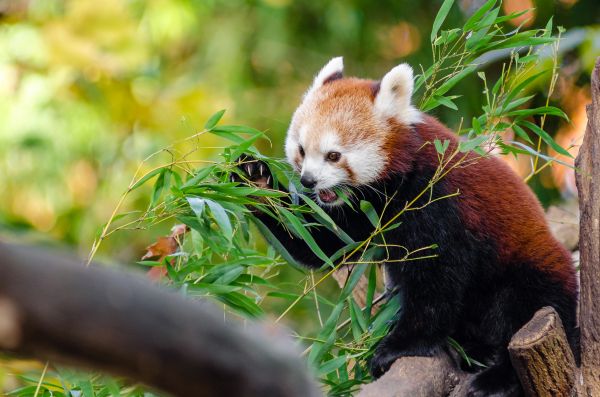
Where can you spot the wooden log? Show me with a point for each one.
(588, 185)
(542, 357)
(53, 308)
(420, 377)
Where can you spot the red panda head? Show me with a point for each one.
(343, 132)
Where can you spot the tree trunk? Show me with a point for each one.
(542, 357)
(588, 185)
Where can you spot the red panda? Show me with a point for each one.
(496, 261)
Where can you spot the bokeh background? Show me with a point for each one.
(89, 88)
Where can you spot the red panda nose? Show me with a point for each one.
(308, 181)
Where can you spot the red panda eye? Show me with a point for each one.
(333, 156)
(301, 150)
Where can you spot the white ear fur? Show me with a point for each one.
(333, 68)
(395, 93)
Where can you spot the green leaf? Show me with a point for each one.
(197, 205)
(525, 83)
(516, 103)
(241, 148)
(149, 263)
(231, 132)
(241, 303)
(521, 132)
(370, 212)
(431, 104)
(371, 286)
(144, 178)
(199, 177)
(280, 248)
(476, 125)
(300, 229)
(326, 337)
(221, 218)
(481, 36)
(87, 389)
(546, 138)
(214, 119)
(452, 81)
(467, 146)
(476, 17)
(357, 272)
(528, 150)
(331, 365)
(438, 146)
(359, 323)
(326, 220)
(161, 184)
(381, 321)
(440, 17)
(447, 102)
(551, 110)
(548, 28)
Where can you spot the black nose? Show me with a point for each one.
(308, 181)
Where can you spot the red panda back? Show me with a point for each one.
(495, 203)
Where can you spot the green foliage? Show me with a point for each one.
(220, 257)
(460, 52)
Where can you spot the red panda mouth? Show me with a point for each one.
(327, 196)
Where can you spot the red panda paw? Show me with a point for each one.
(253, 172)
(387, 353)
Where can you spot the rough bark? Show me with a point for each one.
(53, 308)
(420, 377)
(588, 185)
(542, 357)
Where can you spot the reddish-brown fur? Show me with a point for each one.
(488, 190)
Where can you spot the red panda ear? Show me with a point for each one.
(332, 71)
(393, 99)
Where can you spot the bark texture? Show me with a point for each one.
(420, 377)
(53, 308)
(542, 357)
(588, 185)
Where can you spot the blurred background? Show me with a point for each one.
(88, 89)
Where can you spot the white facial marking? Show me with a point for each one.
(366, 161)
(326, 173)
(320, 126)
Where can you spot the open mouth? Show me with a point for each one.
(327, 196)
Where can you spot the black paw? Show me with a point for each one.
(386, 354)
(493, 383)
(382, 361)
(253, 171)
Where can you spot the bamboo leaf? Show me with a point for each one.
(144, 178)
(546, 138)
(214, 119)
(440, 17)
(221, 218)
(301, 231)
(370, 212)
(476, 17)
